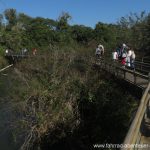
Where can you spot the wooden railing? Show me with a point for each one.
(131, 76)
(142, 67)
(144, 59)
(134, 135)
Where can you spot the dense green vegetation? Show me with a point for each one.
(65, 100)
(60, 99)
(18, 30)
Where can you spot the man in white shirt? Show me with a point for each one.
(114, 55)
(98, 52)
(128, 58)
(101, 48)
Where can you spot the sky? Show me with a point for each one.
(85, 12)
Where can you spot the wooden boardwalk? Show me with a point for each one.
(132, 76)
(139, 131)
(141, 82)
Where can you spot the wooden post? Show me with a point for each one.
(149, 77)
(141, 67)
(101, 65)
(124, 74)
(109, 68)
(142, 59)
(134, 77)
(117, 71)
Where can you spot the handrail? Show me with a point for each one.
(142, 67)
(136, 73)
(142, 63)
(132, 134)
(119, 71)
(144, 59)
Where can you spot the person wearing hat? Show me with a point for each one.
(101, 47)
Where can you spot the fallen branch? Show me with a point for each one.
(6, 67)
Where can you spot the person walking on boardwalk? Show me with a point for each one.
(128, 59)
(25, 51)
(34, 51)
(132, 59)
(98, 53)
(6, 52)
(118, 50)
(101, 47)
(114, 56)
(123, 59)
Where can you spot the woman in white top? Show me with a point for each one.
(132, 59)
(128, 58)
(101, 48)
(114, 55)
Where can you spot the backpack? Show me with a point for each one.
(98, 51)
(124, 55)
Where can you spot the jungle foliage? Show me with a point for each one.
(64, 101)
(18, 30)
(60, 99)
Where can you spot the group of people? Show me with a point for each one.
(23, 51)
(123, 53)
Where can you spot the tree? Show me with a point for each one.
(134, 30)
(63, 21)
(1, 20)
(82, 34)
(11, 17)
(106, 34)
